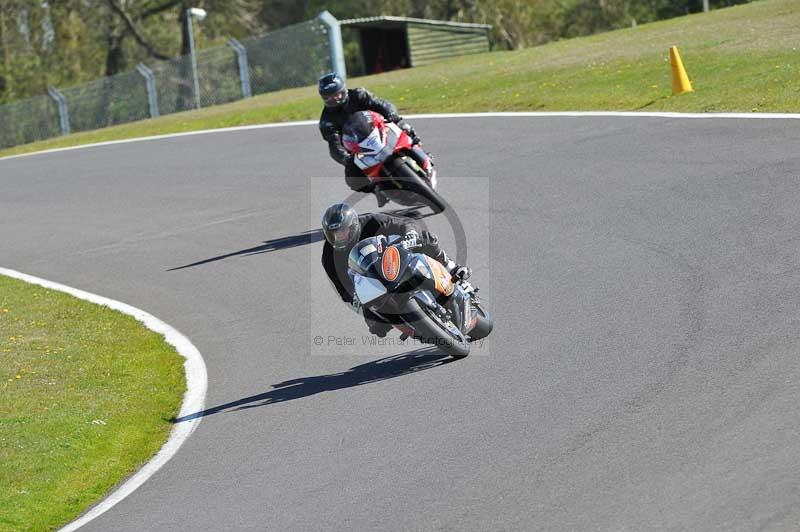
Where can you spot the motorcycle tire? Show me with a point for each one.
(418, 185)
(484, 325)
(427, 329)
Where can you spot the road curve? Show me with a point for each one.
(642, 375)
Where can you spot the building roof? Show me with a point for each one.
(388, 21)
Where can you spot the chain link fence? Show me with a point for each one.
(28, 121)
(294, 65)
(293, 56)
(107, 102)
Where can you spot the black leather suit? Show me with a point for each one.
(332, 121)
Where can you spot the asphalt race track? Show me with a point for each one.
(643, 373)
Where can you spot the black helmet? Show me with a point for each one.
(341, 226)
(332, 90)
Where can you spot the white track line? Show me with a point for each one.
(193, 399)
(620, 114)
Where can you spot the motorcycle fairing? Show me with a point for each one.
(373, 154)
(368, 289)
(364, 254)
(441, 277)
(373, 144)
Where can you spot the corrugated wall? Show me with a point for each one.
(432, 43)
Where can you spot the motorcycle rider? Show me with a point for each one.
(344, 228)
(340, 103)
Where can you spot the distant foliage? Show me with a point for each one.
(523, 23)
(67, 42)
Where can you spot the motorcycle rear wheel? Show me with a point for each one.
(484, 325)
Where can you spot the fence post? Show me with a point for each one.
(244, 70)
(63, 115)
(335, 43)
(152, 96)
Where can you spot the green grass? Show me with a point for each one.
(87, 393)
(743, 58)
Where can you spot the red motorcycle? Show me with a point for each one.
(401, 170)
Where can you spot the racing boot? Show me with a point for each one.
(378, 328)
(381, 197)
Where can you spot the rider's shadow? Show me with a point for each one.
(373, 371)
(286, 242)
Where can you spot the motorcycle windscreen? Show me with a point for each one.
(442, 278)
(367, 288)
(371, 163)
(373, 143)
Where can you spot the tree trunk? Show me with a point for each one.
(114, 54)
(115, 59)
(5, 78)
(186, 87)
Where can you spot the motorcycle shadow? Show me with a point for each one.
(373, 371)
(286, 242)
(276, 244)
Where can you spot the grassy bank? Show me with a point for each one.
(87, 393)
(743, 58)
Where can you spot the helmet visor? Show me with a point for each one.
(341, 237)
(335, 99)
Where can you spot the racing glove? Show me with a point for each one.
(429, 238)
(394, 117)
(459, 273)
(462, 273)
(411, 133)
(411, 240)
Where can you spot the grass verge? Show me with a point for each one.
(743, 58)
(87, 394)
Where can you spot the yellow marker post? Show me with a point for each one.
(680, 80)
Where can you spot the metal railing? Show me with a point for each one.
(293, 56)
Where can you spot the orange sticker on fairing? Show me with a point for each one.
(391, 263)
(442, 278)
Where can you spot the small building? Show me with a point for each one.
(389, 43)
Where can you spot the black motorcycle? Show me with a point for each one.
(417, 295)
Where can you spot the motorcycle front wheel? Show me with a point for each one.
(429, 329)
(419, 186)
